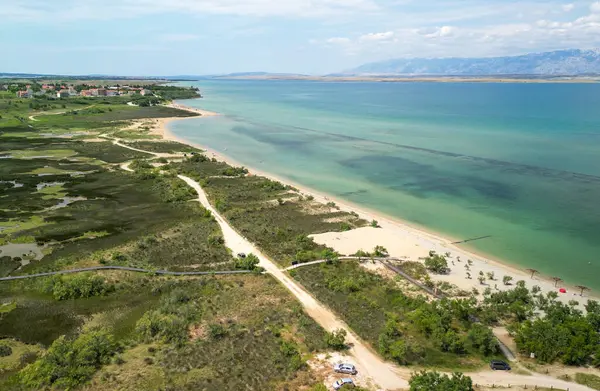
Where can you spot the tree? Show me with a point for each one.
(380, 251)
(374, 224)
(336, 339)
(437, 264)
(582, 288)
(506, 280)
(556, 280)
(434, 381)
(250, 262)
(490, 276)
(329, 255)
(70, 363)
(532, 271)
(483, 339)
(481, 280)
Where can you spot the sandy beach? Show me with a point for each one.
(401, 239)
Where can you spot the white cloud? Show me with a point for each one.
(494, 39)
(371, 37)
(568, 7)
(437, 32)
(595, 7)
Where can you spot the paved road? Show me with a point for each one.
(125, 268)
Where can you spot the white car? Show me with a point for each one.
(342, 382)
(345, 368)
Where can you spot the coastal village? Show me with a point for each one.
(59, 91)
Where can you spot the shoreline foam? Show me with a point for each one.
(413, 235)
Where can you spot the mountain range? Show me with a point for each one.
(559, 62)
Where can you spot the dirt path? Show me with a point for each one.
(32, 117)
(383, 374)
(505, 379)
(125, 166)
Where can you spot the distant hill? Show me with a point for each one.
(559, 62)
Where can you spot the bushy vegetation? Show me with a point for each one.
(78, 286)
(106, 151)
(162, 146)
(205, 333)
(249, 262)
(173, 92)
(5, 350)
(436, 263)
(408, 330)
(565, 334)
(69, 363)
(336, 339)
(170, 322)
(434, 381)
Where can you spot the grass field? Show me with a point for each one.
(163, 146)
(236, 332)
(587, 379)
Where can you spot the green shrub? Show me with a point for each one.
(216, 331)
(139, 164)
(70, 363)
(158, 326)
(79, 286)
(336, 339)
(250, 262)
(483, 339)
(434, 381)
(380, 251)
(5, 350)
(436, 264)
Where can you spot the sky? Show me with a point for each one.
(199, 37)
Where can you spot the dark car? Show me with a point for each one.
(241, 255)
(498, 365)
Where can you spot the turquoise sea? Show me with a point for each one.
(518, 163)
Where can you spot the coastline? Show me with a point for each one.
(421, 79)
(403, 239)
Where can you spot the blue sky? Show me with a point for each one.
(171, 37)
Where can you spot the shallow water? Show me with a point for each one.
(26, 251)
(518, 164)
(14, 183)
(42, 185)
(66, 201)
